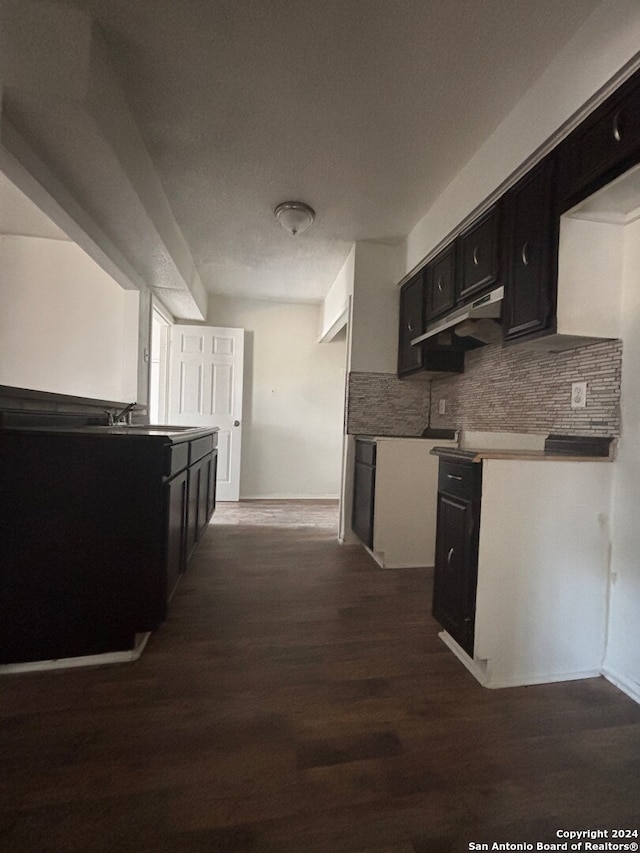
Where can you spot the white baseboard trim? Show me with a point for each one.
(483, 673)
(286, 498)
(463, 657)
(84, 660)
(622, 682)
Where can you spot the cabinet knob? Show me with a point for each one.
(526, 254)
(616, 127)
(476, 256)
(450, 555)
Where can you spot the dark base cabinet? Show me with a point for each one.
(94, 538)
(456, 562)
(364, 490)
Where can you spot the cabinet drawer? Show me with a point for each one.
(178, 458)
(200, 447)
(366, 452)
(460, 479)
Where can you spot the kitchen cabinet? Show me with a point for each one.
(440, 283)
(394, 503)
(535, 541)
(412, 316)
(441, 354)
(603, 146)
(531, 227)
(364, 490)
(456, 555)
(479, 256)
(100, 520)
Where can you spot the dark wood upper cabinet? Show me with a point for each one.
(478, 255)
(410, 358)
(440, 283)
(531, 226)
(604, 146)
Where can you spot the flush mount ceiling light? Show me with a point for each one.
(294, 216)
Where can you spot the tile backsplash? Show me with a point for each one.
(381, 404)
(518, 391)
(502, 389)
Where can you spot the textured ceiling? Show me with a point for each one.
(364, 109)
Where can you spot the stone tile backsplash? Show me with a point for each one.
(501, 390)
(381, 404)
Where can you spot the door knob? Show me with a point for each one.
(236, 423)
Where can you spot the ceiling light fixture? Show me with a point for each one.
(294, 216)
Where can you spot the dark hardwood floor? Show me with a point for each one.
(298, 700)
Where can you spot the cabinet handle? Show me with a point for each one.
(410, 325)
(453, 477)
(476, 256)
(617, 130)
(449, 556)
(439, 284)
(526, 253)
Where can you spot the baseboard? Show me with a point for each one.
(463, 657)
(482, 673)
(335, 498)
(622, 682)
(84, 660)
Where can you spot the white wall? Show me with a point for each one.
(65, 325)
(293, 399)
(623, 652)
(335, 308)
(374, 310)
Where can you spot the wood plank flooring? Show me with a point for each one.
(298, 700)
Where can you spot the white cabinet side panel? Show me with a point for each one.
(404, 527)
(543, 569)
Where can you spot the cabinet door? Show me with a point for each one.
(195, 486)
(176, 520)
(478, 256)
(441, 295)
(211, 485)
(603, 146)
(411, 325)
(531, 254)
(364, 489)
(456, 568)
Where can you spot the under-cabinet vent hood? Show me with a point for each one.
(484, 308)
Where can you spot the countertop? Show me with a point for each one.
(165, 433)
(556, 449)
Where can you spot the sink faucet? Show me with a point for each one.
(124, 416)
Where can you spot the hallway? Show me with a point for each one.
(298, 700)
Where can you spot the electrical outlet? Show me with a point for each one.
(578, 395)
(442, 406)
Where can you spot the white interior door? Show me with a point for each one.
(205, 389)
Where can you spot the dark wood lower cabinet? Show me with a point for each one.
(456, 562)
(364, 491)
(95, 535)
(176, 509)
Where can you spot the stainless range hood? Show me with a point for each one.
(488, 306)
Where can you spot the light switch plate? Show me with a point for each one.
(578, 395)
